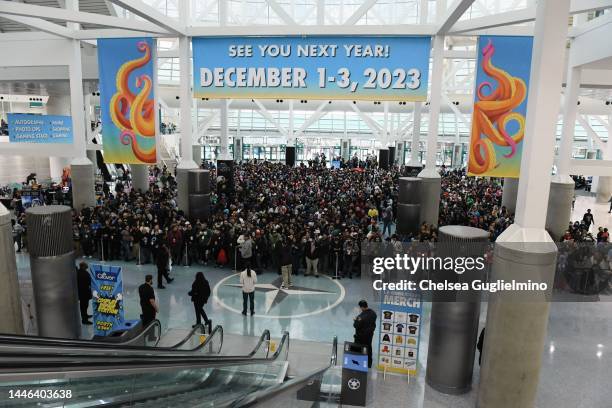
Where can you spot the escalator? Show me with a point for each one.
(27, 348)
(198, 381)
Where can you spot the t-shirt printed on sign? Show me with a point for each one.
(387, 327)
(414, 318)
(399, 328)
(413, 330)
(387, 315)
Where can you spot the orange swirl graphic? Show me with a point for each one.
(492, 114)
(133, 113)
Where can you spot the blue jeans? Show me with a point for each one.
(251, 297)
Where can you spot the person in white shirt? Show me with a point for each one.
(248, 279)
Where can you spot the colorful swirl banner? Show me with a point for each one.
(500, 106)
(127, 100)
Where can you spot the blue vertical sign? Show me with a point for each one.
(400, 332)
(107, 289)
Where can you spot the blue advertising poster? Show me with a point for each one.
(107, 289)
(333, 67)
(400, 332)
(28, 128)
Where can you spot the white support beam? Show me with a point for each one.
(374, 127)
(316, 115)
(95, 34)
(41, 25)
(456, 111)
(151, 14)
(453, 14)
(266, 115)
(320, 12)
(280, 30)
(591, 167)
(523, 16)
(80, 17)
(497, 20)
(281, 13)
(360, 12)
(584, 122)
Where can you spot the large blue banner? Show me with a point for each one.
(28, 128)
(107, 289)
(334, 67)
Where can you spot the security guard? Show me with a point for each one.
(364, 325)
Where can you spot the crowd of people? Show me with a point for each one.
(311, 217)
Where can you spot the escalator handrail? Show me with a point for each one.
(197, 327)
(136, 364)
(154, 325)
(54, 341)
(259, 397)
(264, 338)
(59, 353)
(334, 354)
(110, 347)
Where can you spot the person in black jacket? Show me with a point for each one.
(84, 290)
(364, 325)
(163, 263)
(200, 292)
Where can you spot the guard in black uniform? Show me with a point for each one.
(365, 325)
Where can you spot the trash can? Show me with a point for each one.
(354, 375)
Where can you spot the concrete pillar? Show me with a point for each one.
(224, 129)
(455, 315)
(559, 211)
(430, 198)
(431, 181)
(238, 154)
(570, 108)
(53, 271)
(400, 153)
(416, 136)
(604, 189)
(140, 177)
(91, 155)
(510, 369)
(457, 155)
(83, 180)
(510, 190)
(434, 104)
(198, 154)
(83, 184)
(186, 162)
(10, 299)
(345, 149)
(383, 159)
(408, 206)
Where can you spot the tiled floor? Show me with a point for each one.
(575, 370)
